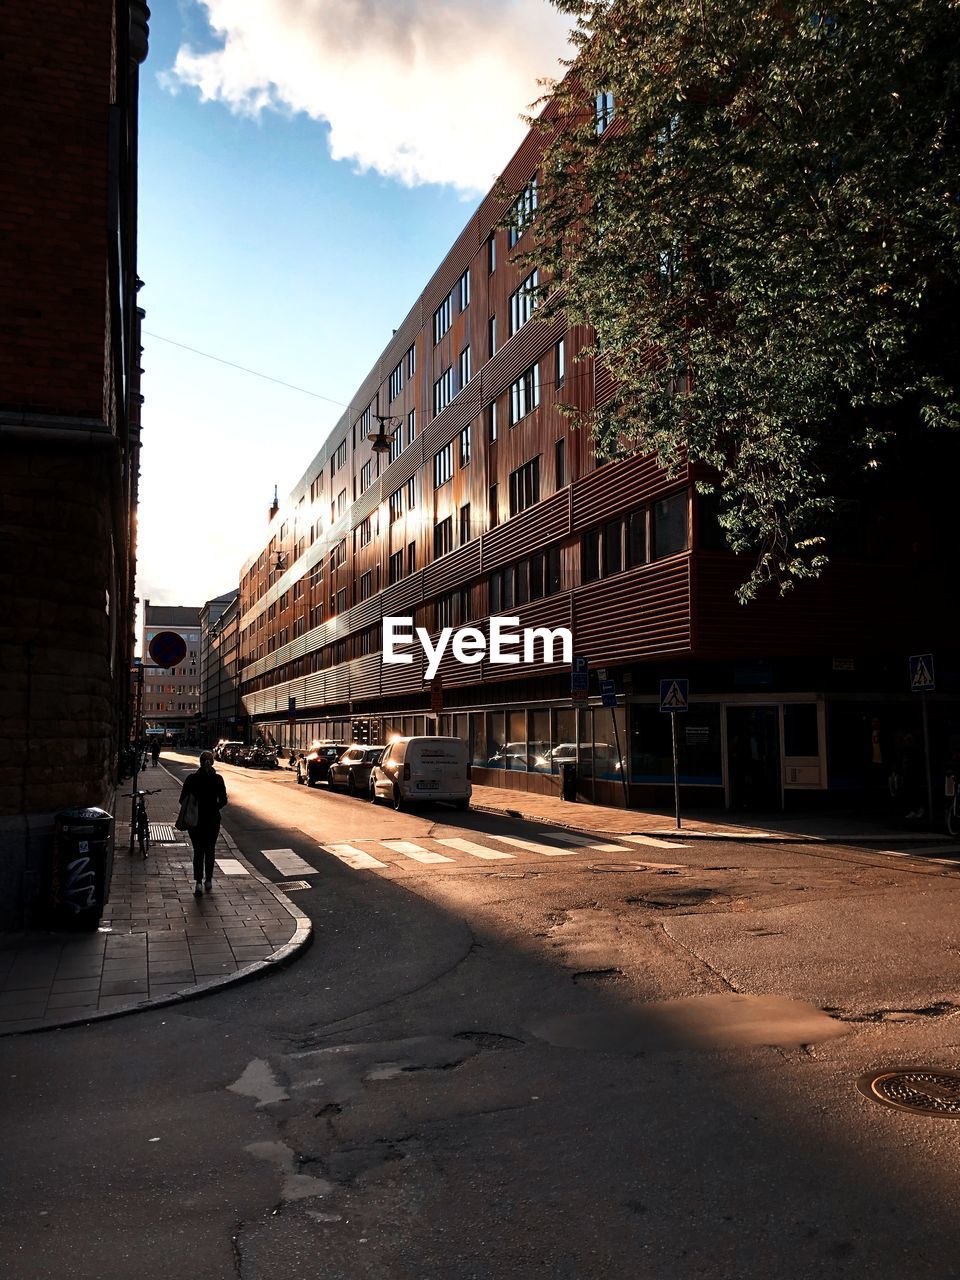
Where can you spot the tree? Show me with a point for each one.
(765, 239)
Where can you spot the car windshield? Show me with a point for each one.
(331, 753)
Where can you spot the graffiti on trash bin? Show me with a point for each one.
(80, 889)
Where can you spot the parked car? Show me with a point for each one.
(422, 769)
(228, 751)
(512, 755)
(313, 765)
(352, 770)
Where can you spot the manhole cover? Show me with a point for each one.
(620, 866)
(924, 1090)
(291, 886)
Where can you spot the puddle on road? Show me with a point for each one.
(295, 1186)
(258, 1081)
(698, 1022)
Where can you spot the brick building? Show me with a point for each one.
(171, 695)
(483, 502)
(69, 416)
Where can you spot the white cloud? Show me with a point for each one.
(418, 90)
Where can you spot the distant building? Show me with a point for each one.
(171, 696)
(69, 418)
(221, 715)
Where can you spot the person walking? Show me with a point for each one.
(155, 752)
(206, 786)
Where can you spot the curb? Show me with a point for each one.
(731, 837)
(284, 955)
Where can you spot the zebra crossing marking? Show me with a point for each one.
(584, 842)
(231, 867)
(415, 851)
(534, 846)
(653, 843)
(289, 864)
(475, 850)
(353, 856)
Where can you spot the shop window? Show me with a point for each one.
(670, 525)
(801, 733)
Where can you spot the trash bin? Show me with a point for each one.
(568, 780)
(81, 844)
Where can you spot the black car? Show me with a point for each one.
(352, 770)
(313, 766)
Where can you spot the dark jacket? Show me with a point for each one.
(211, 795)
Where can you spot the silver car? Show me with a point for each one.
(352, 771)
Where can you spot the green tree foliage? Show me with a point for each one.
(766, 242)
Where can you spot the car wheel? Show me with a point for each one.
(311, 780)
(397, 798)
(373, 793)
(351, 784)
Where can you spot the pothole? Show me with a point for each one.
(671, 899)
(489, 1039)
(926, 1091)
(597, 975)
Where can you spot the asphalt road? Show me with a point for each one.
(498, 1061)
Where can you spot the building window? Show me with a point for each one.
(341, 504)
(525, 394)
(615, 546)
(411, 492)
(395, 505)
(492, 335)
(366, 585)
(492, 422)
(492, 252)
(443, 466)
(395, 567)
(603, 111)
(365, 531)
(442, 319)
(525, 486)
(412, 558)
(465, 290)
(443, 391)
(560, 459)
(494, 506)
(396, 444)
(339, 458)
(670, 526)
(411, 362)
(523, 302)
(465, 524)
(465, 367)
(524, 210)
(411, 426)
(395, 385)
(366, 475)
(561, 363)
(342, 600)
(466, 445)
(590, 556)
(443, 538)
(316, 487)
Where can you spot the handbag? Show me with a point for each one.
(189, 814)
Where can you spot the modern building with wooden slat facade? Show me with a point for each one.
(490, 504)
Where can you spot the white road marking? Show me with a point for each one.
(533, 846)
(415, 851)
(945, 862)
(231, 867)
(353, 856)
(653, 843)
(475, 850)
(289, 864)
(584, 842)
(895, 853)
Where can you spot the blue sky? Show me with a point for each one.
(257, 245)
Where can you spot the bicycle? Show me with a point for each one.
(141, 822)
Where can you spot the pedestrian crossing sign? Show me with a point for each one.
(921, 673)
(674, 695)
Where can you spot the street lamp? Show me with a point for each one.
(380, 440)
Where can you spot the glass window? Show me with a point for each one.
(560, 460)
(564, 738)
(801, 736)
(496, 592)
(539, 745)
(516, 746)
(496, 737)
(590, 556)
(478, 739)
(637, 537)
(612, 547)
(606, 760)
(670, 525)
(554, 580)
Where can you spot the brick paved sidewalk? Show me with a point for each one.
(156, 941)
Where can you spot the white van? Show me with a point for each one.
(422, 769)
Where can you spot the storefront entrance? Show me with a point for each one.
(753, 758)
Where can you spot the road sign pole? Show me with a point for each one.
(616, 738)
(676, 767)
(926, 757)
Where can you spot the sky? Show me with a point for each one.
(304, 167)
